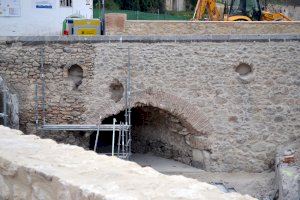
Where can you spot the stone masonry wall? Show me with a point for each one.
(235, 121)
(33, 168)
(157, 131)
(138, 27)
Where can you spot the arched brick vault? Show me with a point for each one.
(192, 117)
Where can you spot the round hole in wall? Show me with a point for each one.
(76, 75)
(117, 89)
(243, 69)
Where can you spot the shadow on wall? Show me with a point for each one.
(153, 130)
(9, 107)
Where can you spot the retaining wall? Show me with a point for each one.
(118, 25)
(235, 122)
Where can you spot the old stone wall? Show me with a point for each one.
(138, 27)
(157, 131)
(33, 168)
(235, 118)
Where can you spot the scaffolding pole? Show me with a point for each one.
(113, 138)
(123, 141)
(119, 141)
(103, 18)
(43, 87)
(82, 127)
(129, 86)
(128, 102)
(36, 106)
(97, 136)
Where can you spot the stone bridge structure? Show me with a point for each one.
(207, 96)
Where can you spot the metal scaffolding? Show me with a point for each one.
(123, 129)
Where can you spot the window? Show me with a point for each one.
(66, 3)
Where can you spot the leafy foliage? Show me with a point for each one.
(136, 5)
(109, 4)
(190, 5)
(284, 2)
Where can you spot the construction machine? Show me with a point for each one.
(238, 10)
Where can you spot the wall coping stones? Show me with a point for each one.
(35, 168)
(152, 38)
(216, 22)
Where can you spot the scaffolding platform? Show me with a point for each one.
(77, 127)
(123, 137)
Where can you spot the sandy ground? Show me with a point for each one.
(259, 185)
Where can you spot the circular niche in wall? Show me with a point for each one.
(117, 89)
(75, 73)
(244, 72)
(243, 69)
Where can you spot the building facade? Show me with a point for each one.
(175, 5)
(37, 17)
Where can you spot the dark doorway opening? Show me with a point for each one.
(153, 131)
(104, 144)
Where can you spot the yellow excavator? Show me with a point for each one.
(239, 10)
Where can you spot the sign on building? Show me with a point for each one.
(10, 8)
(48, 4)
(88, 2)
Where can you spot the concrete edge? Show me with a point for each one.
(152, 38)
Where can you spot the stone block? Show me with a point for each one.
(201, 159)
(115, 22)
(197, 142)
(79, 174)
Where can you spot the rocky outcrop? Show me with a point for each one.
(34, 168)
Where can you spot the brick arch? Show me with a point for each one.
(191, 116)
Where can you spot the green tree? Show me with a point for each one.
(190, 5)
(142, 5)
(109, 4)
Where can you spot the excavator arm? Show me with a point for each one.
(214, 14)
(211, 6)
(267, 16)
